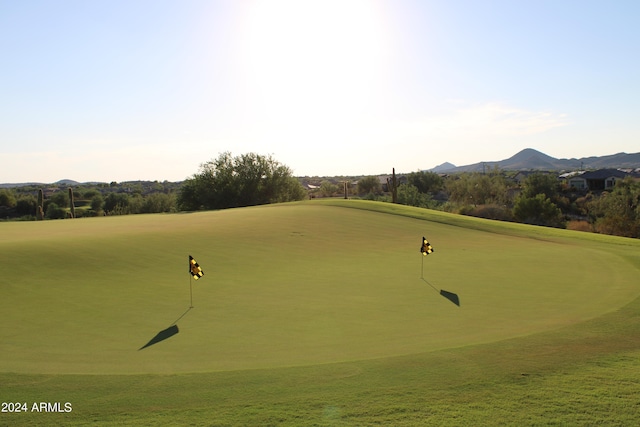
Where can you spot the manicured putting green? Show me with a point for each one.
(284, 285)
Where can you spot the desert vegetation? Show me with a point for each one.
(252, 179)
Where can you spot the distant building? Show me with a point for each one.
(602, 179)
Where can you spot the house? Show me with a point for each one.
(602, 179)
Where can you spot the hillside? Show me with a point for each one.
(530, 159)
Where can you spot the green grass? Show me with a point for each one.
(315, 314)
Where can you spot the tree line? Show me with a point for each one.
(87, 200)
(225, 182)
(541, 199)
(252, 179)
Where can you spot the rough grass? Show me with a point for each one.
(547, 332)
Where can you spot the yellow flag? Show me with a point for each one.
(194, 268)
(426, 247)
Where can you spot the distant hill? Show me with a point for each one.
(71, 183)
(530, 159)
(67, 182)
(63, 182)
(443, 167)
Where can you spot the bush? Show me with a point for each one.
(538, 210)
(579, 225)
(410, 195)
(55, 212)
(497, 212)
(369, 185)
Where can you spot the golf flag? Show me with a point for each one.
(426, 247)
(194, 268)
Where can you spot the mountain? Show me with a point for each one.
(67, 182)
(443, 167)
(530, 159)
(62, 182)
(620, 160)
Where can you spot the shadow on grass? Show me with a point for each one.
(165, 333)
(448, 295)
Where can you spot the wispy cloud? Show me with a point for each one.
(485, 121)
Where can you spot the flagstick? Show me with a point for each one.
(422, 268)
(191, 291)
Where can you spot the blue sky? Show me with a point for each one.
(150, 89)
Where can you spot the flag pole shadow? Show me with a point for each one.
(183, 314)
(165, 333)
(448, 295)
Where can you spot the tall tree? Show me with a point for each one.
(541, 183)
(7, 199)
(618, 212)
(408, 194)
(477, 189)
(245, 180)
(425, 182)
(369, 184)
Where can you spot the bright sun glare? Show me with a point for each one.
(313, 65)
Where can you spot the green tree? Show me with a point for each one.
(158, 202)
(328, 189)
(245, 180)
(26, 205)
(538, 210)
(618, 212)
(60, 198)
(290, 189)
(541, 183)
(409, 194)
(425, 182)
(193, 194)
(477, 189)
(54, 211)
(116, 204)
(136, 203)
(369, 185)
(97, 202)
(90, 194)
(7, 199)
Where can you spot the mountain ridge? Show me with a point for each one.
(524, 160)
(531, 159)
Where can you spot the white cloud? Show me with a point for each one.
(485, 121)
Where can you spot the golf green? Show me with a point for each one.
(286, 285)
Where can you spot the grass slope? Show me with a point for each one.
(333, 293)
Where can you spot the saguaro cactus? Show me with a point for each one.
(71, 204)
(39, 210)
(393, 187)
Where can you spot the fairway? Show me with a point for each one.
(289, 285)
